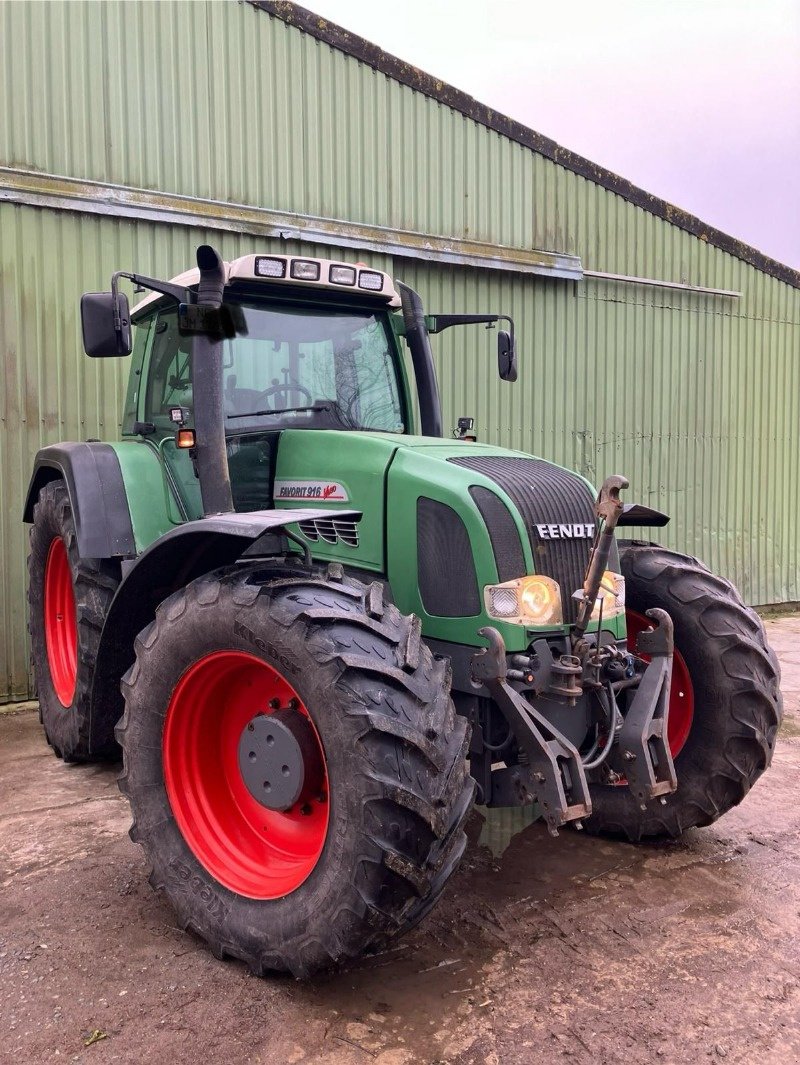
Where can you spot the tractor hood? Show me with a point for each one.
(441, 519)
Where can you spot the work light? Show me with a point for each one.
(267, 267)
(371, 280)
(305, 270)
(342, 275)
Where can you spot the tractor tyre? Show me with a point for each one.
(68, 599)
(377, 799)
(725, 699)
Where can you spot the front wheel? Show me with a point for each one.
(725, 699)
(295, 768)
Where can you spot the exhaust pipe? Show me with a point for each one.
(209, 413)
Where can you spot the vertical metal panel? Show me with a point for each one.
(695, 398)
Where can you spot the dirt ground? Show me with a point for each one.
(541, 950)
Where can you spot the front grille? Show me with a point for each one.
(544, 494)
(331, 530)
(448, 584)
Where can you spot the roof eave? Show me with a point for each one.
(351, 44)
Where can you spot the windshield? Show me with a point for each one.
(294, 367)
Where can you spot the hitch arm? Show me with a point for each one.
(559, 782)
(608, 509)
(642, 751)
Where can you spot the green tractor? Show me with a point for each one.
(320, 629)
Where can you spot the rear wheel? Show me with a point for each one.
(296, 772)
(725, 699)
(68, 599)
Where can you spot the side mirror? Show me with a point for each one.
(106, 324)
(506, 356)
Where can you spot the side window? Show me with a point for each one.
(140, 344)
(169, 377)
(376, 392)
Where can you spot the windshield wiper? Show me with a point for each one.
(283, 410)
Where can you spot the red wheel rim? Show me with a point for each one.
(60, 622)
(681, 692)
(253, 851)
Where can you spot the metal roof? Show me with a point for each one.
(350, 43)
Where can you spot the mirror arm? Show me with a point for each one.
(178, 292)
(437, 323)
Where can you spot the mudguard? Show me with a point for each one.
(174, 560)
(93, 477)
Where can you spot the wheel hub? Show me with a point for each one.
(279, 759)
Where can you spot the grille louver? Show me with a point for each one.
(330, 530)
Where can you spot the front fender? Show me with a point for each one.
(174, 560)
(96, 489)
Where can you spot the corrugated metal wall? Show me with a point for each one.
(695, 398)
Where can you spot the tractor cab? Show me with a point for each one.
(315, 347)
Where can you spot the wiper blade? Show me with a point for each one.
(283, 410)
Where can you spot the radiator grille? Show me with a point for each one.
(545, 494)
(506, 544)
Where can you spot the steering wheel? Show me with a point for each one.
(286, 389)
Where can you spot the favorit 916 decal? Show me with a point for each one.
(318, 490)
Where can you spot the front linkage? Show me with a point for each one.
(629, 747)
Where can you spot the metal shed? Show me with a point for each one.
(651, 344)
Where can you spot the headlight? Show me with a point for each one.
(533, 600)
(611, 595)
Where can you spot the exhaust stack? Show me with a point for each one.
(209, 413)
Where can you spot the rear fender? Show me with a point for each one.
(173, 561)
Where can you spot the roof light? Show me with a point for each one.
(267, 267)
(305, 270)
(342, 275)
(371, 280)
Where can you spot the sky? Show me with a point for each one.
(696, 101)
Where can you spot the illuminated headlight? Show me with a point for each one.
(266, 267)
(533, 600)
(342, 275)
(369, 279)
(305, 270)
(611, 596)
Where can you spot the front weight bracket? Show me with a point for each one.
(642, 753)
(557, 778)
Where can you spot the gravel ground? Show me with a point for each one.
(541, 949)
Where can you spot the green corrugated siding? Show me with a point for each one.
(695, 398)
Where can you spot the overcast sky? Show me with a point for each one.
(697, 101)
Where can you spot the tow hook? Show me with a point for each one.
(557, 779)
(642, 753)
